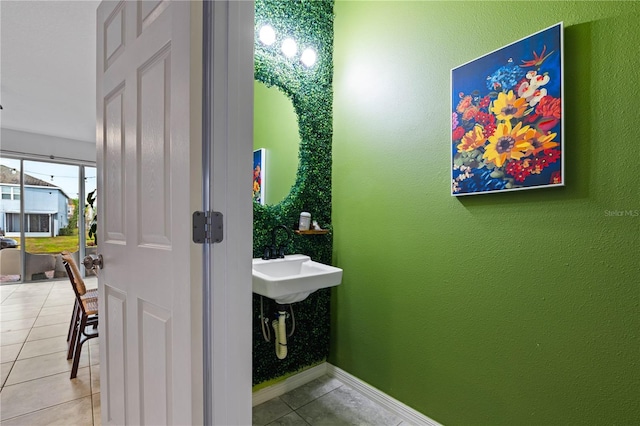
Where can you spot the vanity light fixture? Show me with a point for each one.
(267, 35)
(289, 47)
(308, 57)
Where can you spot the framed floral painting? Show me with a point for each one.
(258, 175)
(507, 117)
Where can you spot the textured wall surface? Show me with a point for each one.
(310, 91)
(503, 309)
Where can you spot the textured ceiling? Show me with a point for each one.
(47, 67)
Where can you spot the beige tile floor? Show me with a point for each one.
(35, 384)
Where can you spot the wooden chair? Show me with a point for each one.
(70, 258)
(85, 313)
(75, 317)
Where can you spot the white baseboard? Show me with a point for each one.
(289, 384)
(394, 406)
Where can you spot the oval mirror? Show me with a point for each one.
(275, 128)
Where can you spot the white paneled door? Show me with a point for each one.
(149, 106)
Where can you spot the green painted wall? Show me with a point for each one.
(275, 127)
(517, 308)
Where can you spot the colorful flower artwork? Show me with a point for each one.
(258, 175)
(506, 119)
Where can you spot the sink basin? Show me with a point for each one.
(293, 278)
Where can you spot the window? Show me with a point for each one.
(11, 193)
(35, 222)
(38, 223)
(13, 222)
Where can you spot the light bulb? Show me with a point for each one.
(267, 35)
(308, 57)
(289, 47)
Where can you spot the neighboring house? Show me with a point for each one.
(46, 206)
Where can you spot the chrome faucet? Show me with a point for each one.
(273, 251)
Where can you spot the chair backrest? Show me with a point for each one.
(74, 273)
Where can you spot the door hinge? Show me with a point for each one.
(207, 227)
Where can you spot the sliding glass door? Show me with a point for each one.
(10, 202)
(43, 212)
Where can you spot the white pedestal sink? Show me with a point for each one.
(293, 278)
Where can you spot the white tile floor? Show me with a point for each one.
(35, 384)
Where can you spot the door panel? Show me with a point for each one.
(114, 166)
(154, 159)
(149, 11)
(144, 144)
(113, 35)
(155, 363)
(150, 180)
(115, 397)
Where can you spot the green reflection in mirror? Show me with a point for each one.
(275, 127)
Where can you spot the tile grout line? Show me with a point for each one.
(294, 410)
(93, 410)
(24, 342)
(47, 408)
(312, 401)
(7, 378)
(40, 377)
(50, 353)
(49, 375)
(27, 336)
(38, 316)
(303, 419)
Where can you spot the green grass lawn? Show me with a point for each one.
(52, 244)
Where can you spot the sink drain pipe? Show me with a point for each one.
(280, 329)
